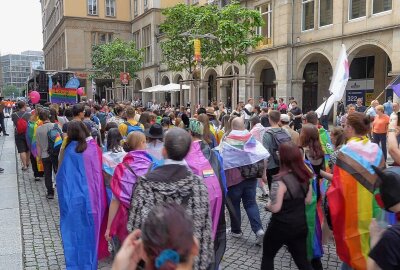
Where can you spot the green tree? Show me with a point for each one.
(236, 33)
(107, 59)
(178, 50)
(9, 90)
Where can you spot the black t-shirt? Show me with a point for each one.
(386, 253)
(296, 111)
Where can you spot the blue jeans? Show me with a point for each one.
(246, 192)
(380, 139)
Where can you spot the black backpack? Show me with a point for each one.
(279, 136)
(54, 140)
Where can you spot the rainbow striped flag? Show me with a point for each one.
(31, 141)
(352, 201)
(58, 141)
(63, 95)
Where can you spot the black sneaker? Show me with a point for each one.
(37, 178)
(263, 197)
(1, 170)
(50, 196)
(6, 134)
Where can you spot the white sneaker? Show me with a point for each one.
(260, 237)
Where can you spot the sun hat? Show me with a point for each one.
(155, 131)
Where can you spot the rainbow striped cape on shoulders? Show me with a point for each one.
(351, 199)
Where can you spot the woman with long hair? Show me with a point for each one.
(155, 144)
(352, 203)
(313, 152)
(82, 199)
(208, 136)
(112, 157)
(222, 128)
(135, 164)
(290, 191)
(145, 119)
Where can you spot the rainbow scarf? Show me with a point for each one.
(32, 142)
(123, 184)
(83, 206)
(240, 148)
(313, 218)
(351, 199)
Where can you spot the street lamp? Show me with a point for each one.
(188, 34)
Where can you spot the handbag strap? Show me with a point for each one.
(130, 169)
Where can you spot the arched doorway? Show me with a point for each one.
(226, 96)
(316, 72)
(137, 96)
(147, 97)
(165, 97)
(210, 87)
(177, 80)
(265, 79)
(370, 68)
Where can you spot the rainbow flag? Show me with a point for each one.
(63, 95)
(31, 141)
(313, 218)
(58, 141)
(352, 202)
(83, 206)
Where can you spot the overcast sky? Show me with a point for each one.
(20, 26)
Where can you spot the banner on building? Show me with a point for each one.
(124, 77)
(63, 95)
(197, 50)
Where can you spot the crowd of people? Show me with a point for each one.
(151, 186)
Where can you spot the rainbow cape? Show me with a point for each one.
(122, 185)
(313, 218)
(83, 206)
(31, 141)
(207, 164)
(240, 148)
(351, 199)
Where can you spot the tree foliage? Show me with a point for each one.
(8, 91)
(233, 26)
(107, 59)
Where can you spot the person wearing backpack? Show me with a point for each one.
(130, 124)
(48, 143)
(20, 120)
(272, 138)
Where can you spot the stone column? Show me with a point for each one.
(203, 94)
(223, 90)
(297, 91)
(218, 90)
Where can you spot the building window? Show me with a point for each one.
(266, 30)
(92, 7)
(308, 15)
(362, 68)
(110, 8)
(136, 39)
(381, 6)
(135, 7)
(145, 4)
(325, 12)
(101, 38)
(356, 9)
(146, 43)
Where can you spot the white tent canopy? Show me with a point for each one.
(172, 87)
(152, 89)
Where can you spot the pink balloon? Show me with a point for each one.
(35, 97)
(80, 91)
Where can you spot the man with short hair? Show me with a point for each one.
(359, 105)
(174, 181)
(78, 113)
(263, 104)
(388, 106)
(130, 122)
(285, 120)
(248, 111)
(20, 120)
(241, 187)
(50, 162)
(270, 143)
(371, 112)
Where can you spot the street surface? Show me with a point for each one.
(36, 237)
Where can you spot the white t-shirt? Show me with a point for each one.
(249, 108)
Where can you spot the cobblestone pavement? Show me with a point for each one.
(42, 247)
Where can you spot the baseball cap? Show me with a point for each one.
(285, 118)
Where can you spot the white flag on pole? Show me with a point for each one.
(338, 83)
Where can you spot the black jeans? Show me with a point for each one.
(380, 138)
(295, 238)
(3, 126)
(270, 174)
(35, 169)
(49, 164)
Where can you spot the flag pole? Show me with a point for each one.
(383, 91)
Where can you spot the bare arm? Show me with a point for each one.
(309, 194)
(371, 265)
(114, 205)
(393, 147)
(276, 194)
(326, 175)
